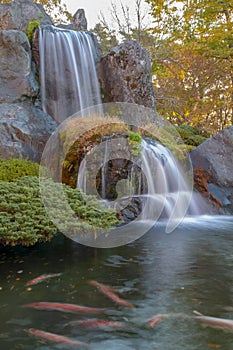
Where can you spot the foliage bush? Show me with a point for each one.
(24, 220)
(192, 136)
(15, 168)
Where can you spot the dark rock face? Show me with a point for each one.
(18, 13)
(24, 130)
(17, 80)
(213, 170)
(125, 75)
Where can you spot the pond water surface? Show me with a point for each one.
(188, 270)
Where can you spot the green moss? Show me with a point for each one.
(31, 27)
(15, 168)
(24, 220)
(135, 141)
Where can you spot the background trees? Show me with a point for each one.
(192, 61)
(191, 48)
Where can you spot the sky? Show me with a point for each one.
(93, 7)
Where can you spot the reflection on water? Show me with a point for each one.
(189, 269)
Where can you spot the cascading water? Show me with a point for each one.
(169, 193)
(67, 72)
(156, 179)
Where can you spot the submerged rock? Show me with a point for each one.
(213, 170)
(125, 75)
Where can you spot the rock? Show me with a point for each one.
(24, 131)
(18, 13)
(213, 170)
(17, 80)
(79, 20)
(125, 75)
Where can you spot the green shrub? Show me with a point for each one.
(15, 168)
(191, 135)
(24, 220)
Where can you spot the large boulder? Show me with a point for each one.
(18, 13)
(125, 75)
(213, 170)
(17, 79)
(24, 131)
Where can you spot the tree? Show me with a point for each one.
(129, 24)
(193, 60)
(207, 24)
(106, 37)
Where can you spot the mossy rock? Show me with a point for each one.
(32, 26)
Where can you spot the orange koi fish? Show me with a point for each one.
(41, 278)
(106, 290)
(97, 323)
(56, 338)
(73, 308)
(153, 321)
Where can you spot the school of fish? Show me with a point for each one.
(208, 321)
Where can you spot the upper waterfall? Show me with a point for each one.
(67, 72)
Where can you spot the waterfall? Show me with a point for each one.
(67, 72)
(156, 179)
(168, 191)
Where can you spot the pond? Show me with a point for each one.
(187, 271)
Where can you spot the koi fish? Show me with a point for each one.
(56, 338)
(106, 290)
(153, 321)
(215, 322)
(41, 278)
(73, 308)
(97, 323)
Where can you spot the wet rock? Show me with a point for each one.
(17, 78)
(24, 131)
(213, 170)
(125, 75)
(18, 13)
